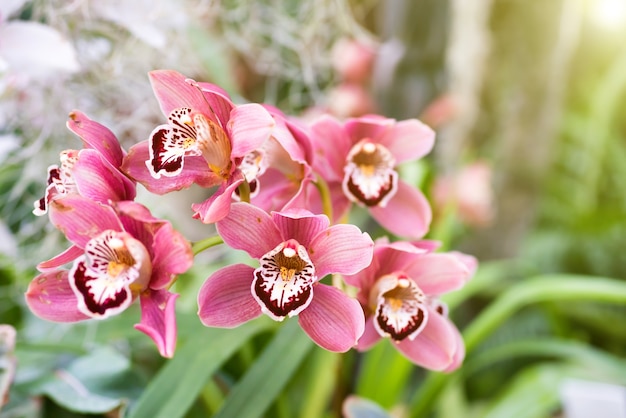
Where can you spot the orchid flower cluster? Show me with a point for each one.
(280, 190)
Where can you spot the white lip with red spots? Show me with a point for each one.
(369, 177)
(114, 269)
(283, 284)
(400, 307)
(60, 181)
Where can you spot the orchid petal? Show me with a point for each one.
(158, 319)
(459, 354)
(65, 257)
(219, 102)
(407, 214)
(333, 320)
(173, 91)
(438, 273)
(250, 229)
(302, 227)
(332, 145)
(341, 249)
(196, 172)
(80, 219)
(49, 296)
(225, 299)
(250, 126)
(96, 136)
(408, 140)
(433, 348)
(370, 336)
(99, 180)
(217, 206)
(172, 256)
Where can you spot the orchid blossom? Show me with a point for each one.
(208, 140)
(358, 160)
(120, 253)
(399, 292)
(295, 250)
(93, 171)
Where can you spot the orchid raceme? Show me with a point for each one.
(295, 250)
(358, 160)
(399, 292)
(208, 140)
(93, 171)
(119, 253)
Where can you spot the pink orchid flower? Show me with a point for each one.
(120, 253)
(358, 160)
(399, 293)
(208, 141)
(93, 171)
(295, 249)
(283, 169)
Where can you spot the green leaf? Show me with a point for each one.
(384, 374)
(545, 288)
(534, 393)
(84, 386)
(179, 382)
(258, 388)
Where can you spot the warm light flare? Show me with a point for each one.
(610, 14)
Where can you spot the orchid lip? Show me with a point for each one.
(400, 307)
(369, 177)
(113, 271)
(60, 181)
(283, 284)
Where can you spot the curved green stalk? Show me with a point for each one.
(199, 246)
(548, 288)
(327, 204)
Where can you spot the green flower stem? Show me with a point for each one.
(548, 288)
(244, 191)
(198, 247)
(327, 204)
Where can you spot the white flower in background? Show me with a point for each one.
(31, 50)
(147, 20)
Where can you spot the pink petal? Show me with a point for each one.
(332, 144)
(65, 257)
(302, 227)
(433, 348)
(438, 273)
(250, 125)
(219, 102)
(468, 260)
(158, 319)
(407, 214)
(173, 91)
(459, 354)
(172, 256)
(96, 136)
(225, 299)
(292, 138)
(250, 229)
(99, 180)
(80, 219)
(196, 171)
(408, 140)
(369, 126)
(333, 320)
(49, 296)
(370, 336)
(341, 249)
(217, 206)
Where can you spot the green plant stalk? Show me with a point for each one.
(198, 247)
(547, 288)
(327, 204)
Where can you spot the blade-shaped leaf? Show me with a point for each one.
(256, 391)
(172, 392)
